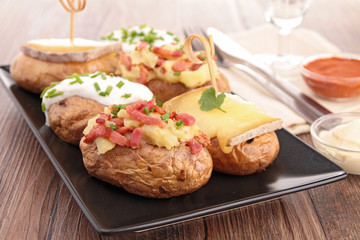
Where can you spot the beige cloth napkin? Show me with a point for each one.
(304, 42)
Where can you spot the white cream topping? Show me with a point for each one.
(162, 37)
(86, 89)
(65, 42)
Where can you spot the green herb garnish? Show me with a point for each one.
(103, 94)
(177, 73)
(166, 116)
(109, 37)
(108, 90)
(176, 40)
(170, 33)
(142, 26)
(113, 127)
(146, 110)
(120, 84)
(95, 75)
(43, 107)
(152, 109)
(159, 103)
(126, 95)
(97, 87)
(179, 124)
(201, 56)
(53, 93)
(210, 101)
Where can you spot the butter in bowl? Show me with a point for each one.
(337, 136)
(333, 76)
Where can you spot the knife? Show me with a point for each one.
(307, 107)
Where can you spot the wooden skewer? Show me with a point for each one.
(209, 50)
(71, 8)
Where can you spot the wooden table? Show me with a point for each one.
(35, 203)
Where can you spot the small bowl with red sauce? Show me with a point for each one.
(333, 76)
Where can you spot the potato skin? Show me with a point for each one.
(246, 158)
(165, 91)
(35, 75)
(149, 171)
(68, 118)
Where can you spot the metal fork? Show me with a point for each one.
(300, 107)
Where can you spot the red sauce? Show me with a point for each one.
(334, 81)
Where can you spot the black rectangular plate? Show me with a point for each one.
(112, 210)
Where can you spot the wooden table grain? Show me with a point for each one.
(35, 203)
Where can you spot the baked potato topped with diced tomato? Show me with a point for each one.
(146, 150)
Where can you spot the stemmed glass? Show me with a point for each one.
(285, 15)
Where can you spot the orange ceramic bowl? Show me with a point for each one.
(334, 76)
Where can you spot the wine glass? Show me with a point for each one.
(285, 15)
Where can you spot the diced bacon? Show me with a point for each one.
(187, 119)
(118, 121)
(118, 139)
(163, 70)
(142, 45)
(100, 120)
(105, 116)
(141, 117)
(139, 105)
(195, 147)
(150, 104)
(203, 139)
(166, 53)
(144, 74)
(95, 132)
(135, 138)
(125, 60)
(160, 62)
(124, 130)
(195, 67)
(180, 66)
(172, 115)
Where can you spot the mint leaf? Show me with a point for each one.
(210, 101)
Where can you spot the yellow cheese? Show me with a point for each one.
(239, 118)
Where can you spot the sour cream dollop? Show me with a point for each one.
(98, 86)
(132, 36)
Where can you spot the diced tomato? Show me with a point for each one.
(118, 121)
(187, 119)
(194, 146)
(135, 138)
(125, 60)
(117, 138)
(144, 74)
(172, 115)
(180, 66)
(141, 117)
(160, 62)
(159, 110)
(195, 67)
(97, 131)
(150, 104)
(124, 130)
(142, 45)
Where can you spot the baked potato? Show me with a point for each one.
(151, 153)
(69, 104)
(246, 158)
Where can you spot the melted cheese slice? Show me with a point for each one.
(55, 45)
(240, 116)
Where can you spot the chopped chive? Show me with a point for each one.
(95, 75)
(201, 57)
(103, 94)
(71, 83)
(146, 110)
(177, 73)
(55, 94)
(126, 95)
(179, 124)
(142, 26)
(152, 109)
(52, 91)
(108, 90)
(96, 85)
(116, 107)
(159, 103)
(113, 127)
(84, 75)
(43, 107)
(170, 33)
(165, 116)
(123, 106)
(176, 40)
(103, 76)
(112, 75)
(69, 77)
(114, 112)
(120, 84)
